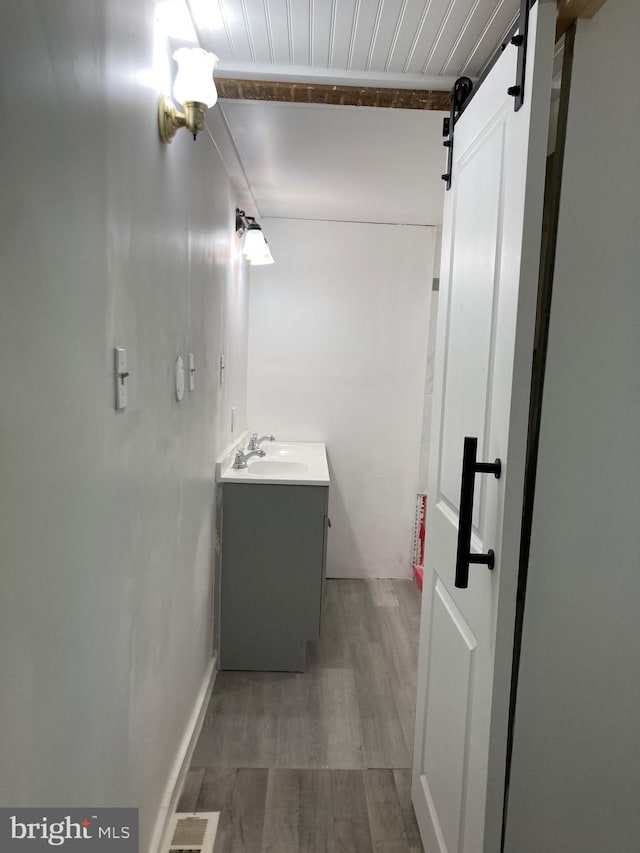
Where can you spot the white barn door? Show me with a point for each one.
(488, 285)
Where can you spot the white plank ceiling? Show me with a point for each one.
(403, 42)
(344, 163)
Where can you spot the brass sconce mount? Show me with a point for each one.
(170, 120)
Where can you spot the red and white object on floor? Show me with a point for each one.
(418, 540)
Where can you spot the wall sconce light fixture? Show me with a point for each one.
(194, 89)
(255, 247)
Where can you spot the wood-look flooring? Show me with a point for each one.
(319, 761)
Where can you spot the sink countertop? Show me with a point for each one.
(299, 463)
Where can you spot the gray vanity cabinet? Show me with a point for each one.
(272, 574)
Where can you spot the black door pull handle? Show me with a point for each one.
(470, 468)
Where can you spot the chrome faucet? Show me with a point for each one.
(242, 455)
(255, 442)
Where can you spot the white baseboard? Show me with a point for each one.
(183, 757)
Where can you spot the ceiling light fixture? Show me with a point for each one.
(194, 89)
(255, 247)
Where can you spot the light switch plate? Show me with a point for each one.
(192, 372)
(121, 374)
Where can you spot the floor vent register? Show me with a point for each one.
(191, 833)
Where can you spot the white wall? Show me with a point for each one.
(107, 239)
(575, 783)
(337, 352)
(427, 410)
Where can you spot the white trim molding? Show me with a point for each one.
(183, 757)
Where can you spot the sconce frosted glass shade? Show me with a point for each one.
(194, 81)
(265, 258)
(254, 243)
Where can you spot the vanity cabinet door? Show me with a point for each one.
(323, 572)
(273, 551)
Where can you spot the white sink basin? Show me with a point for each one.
(281, 449)
(285, 462)
(271, 467)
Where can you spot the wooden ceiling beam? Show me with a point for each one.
(325, 93)
(570, 10)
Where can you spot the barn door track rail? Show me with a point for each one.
(463, 87)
